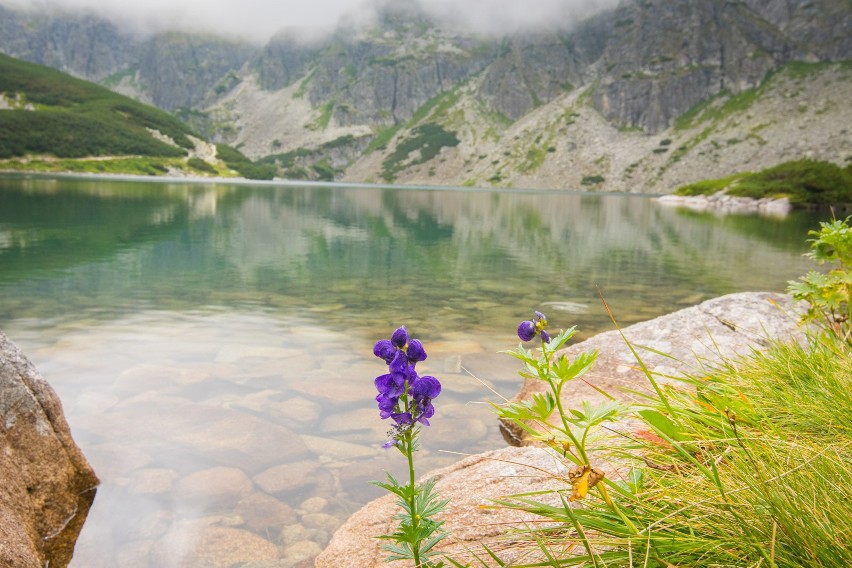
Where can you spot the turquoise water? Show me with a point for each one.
(211, 342)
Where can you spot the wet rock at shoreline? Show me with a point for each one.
(47, 483)
(723, 203)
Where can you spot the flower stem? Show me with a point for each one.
(412, 499)
(415, 516)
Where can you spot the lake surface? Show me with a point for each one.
(211, 342)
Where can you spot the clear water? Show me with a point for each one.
(211, 343)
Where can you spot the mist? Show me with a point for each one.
(258, 20)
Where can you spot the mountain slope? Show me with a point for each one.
(47, 116)
(645, 97)
(50, 112)
(610, 104)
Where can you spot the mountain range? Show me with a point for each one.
(644, 97)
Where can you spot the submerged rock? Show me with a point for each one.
(47, 483)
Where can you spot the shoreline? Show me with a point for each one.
(724, 204)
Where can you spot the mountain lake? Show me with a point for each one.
(211, 342)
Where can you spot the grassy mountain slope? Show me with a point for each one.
(52, 113)
(52, 121)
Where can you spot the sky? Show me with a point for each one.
(257, 20)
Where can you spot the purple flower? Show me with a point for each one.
(400, 352)
(399, 337)
(528, 329)
(391, 384)
(384, 349)
(403, 396)
(422, 391)
(415, 351)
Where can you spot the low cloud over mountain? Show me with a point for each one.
(257, 20)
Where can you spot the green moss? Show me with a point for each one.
(804, 182)
(383, 138)
(708, 187)
(131, 166)
(324, 118)
(324, 170)
(302, 90)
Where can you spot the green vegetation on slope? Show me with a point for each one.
(295, 163)
(804, 182)
(73, 118)
(236, 161)
(426, 140)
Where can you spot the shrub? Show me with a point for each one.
(200, 165)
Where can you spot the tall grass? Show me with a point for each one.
(750, 465)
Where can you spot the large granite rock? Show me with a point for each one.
(47, 484)
(695, 338)
(470, 484)
(684, 342)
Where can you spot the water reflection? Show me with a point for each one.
(211, 342)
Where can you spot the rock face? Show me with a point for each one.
(696, 337)
(647, 96)
(666, 57)
(47, 485)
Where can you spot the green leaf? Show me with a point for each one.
(540, 407)
(582, 363)
(591, 416)
(561, 339)
(662, 424)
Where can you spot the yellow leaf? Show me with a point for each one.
(583, 478)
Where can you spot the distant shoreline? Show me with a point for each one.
(280, 181)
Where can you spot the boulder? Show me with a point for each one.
(686, 342)
(48, 485)
(694, 338)
(470, 484)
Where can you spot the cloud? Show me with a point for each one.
(508, 16)
(257, 20)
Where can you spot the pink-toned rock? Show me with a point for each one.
(692, 340)
(47, 485)
(215, 489)
(265, 514)
(470, 484)
(194, 545)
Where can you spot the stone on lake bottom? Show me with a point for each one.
(264, 513)
(288, 477)
(215, 489)
(194, 545)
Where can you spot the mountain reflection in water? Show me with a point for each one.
(211, 343)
